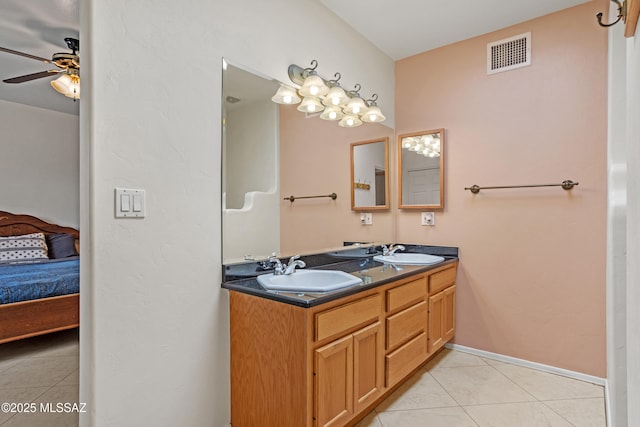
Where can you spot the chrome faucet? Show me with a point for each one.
(391, 250)
(279, 268)
(293, 263)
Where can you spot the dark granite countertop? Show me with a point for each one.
(242, 277)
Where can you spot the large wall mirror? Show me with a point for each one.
(370, 175)
(272, 151)
(421, 170)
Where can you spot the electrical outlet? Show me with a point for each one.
(428, 218)
(366, 218)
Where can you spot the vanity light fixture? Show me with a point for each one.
(313, 85)
(317, 95)
(310, 104)
(373, 114)
(350, 121)
(333, 112)
(336, 95)
(286, 95)
(356, 104)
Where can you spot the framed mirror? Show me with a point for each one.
(421, 170)
(370, 175)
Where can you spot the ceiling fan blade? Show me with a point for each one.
(26, 55)
(29, 77)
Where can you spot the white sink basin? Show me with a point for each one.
(308, 281)
(409, 259)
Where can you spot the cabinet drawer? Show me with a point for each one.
(442, 279)
(406, 324)
(406, 294)
(405, 359)
(345, 317)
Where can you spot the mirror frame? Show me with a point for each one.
(386, 176)
(442, 144)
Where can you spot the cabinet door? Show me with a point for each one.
(334, 382)
(449, 313)
(368, 365)
(436, 329)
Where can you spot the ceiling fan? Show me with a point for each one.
(68, 63)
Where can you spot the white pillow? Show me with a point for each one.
(28, 247)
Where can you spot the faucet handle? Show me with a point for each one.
(278, 268)
(293, 258)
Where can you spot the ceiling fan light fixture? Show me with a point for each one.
(68, 85)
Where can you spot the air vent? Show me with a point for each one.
(508, 54)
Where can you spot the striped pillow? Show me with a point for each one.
(28, 247)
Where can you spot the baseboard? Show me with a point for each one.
(528, 364)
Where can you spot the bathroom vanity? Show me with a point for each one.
(326, 360)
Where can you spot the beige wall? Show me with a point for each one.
(532, 274)
(39, 167)
(314, 160)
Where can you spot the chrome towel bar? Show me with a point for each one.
(292, 199)
(567, 185)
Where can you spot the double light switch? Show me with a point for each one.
(130, 203)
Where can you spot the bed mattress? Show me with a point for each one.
(24, 282)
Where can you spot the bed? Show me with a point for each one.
(38, 296)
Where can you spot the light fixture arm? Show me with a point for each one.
(314, 65)
(332, 83)
(373, 100)
(355, 91)
(622, 14)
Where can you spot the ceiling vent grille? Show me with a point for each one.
(508, 54)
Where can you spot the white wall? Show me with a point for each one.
(251, 151)
(616, 230)
(155, 335)
(623, 244)
(368, 158)
(39, 163)
(633, 228)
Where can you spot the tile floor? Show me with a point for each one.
(458, 389)
(455, 389)
(40, 370)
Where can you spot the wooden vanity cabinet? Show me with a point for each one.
(348, 371)
(442, 309)
(406, 321)
(327, 365)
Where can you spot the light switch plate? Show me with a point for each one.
(129, 203)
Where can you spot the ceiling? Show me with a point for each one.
(402, 28)
(399, 28)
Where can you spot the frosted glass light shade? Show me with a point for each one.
(74, 89)
(336, 97)
(68, 85)
(313, 86)
(310, 104)
(285, 95)
(373, 115)
(332, 113)
(355, 106)
(350, 121)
